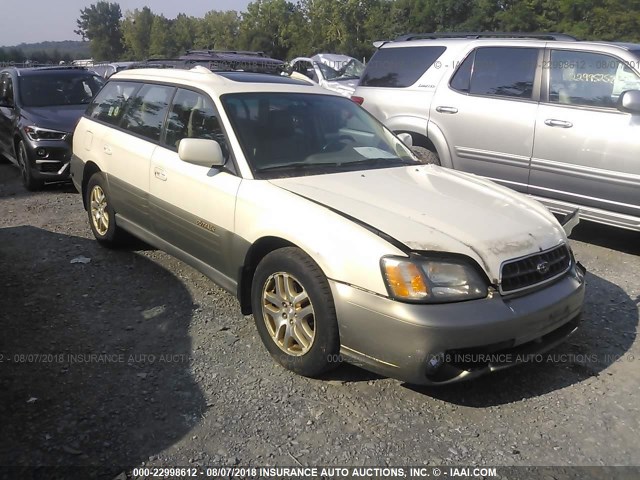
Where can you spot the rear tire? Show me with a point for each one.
(30, 183)
(102, 218)
(425, 155)
(294, 312)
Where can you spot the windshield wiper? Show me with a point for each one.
(294, 165)
(365, 161)
(381, 161)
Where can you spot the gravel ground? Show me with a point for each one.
(135, 358)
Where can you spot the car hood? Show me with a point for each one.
(429, 208)
(58, 117)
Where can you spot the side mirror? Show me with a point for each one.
(200, 151)
(406, 138)
(629, 101)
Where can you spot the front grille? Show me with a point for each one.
(50, 167)
(535, 269)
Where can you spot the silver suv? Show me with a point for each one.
(544, 114)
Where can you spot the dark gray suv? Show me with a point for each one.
(39, 108)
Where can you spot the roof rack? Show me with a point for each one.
(471, 35)
(54, 67)
(218, 52)
(260, 64)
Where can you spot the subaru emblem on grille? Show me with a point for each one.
(543, 267)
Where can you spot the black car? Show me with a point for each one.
(39, 108)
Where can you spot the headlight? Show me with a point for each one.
(37, 133)
(432, 280)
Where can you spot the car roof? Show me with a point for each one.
(219, 82)
(497, 38)
(35, 71)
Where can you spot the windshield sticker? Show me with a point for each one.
(373, 152)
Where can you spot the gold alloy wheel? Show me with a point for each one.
(99, 214)
(288, 314)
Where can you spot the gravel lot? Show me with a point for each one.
(137, 358)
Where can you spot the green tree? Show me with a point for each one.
(161, 42)
(270, 26)
(218, 30)
(136, 33)
(183, 32)
(100, 24)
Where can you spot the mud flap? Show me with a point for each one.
(570, 221)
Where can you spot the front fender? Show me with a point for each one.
(441, 145)
(345, 251)
(405, 123)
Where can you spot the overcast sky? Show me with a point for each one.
(30, 21)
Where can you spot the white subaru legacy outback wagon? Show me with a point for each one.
(325, 226)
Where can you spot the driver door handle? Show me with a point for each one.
(160, 174)
(552, 122)
(444, 109)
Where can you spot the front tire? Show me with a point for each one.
(30, 183)
(102, 218)
(294, 312)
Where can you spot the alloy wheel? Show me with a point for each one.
(99, 214)
(288, 314)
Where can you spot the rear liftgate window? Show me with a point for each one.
(399, 67)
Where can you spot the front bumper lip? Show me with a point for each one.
(398, 340)
(60, 154)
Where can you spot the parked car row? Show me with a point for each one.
(329, 230)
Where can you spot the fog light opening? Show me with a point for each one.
(42, 152)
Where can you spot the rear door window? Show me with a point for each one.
(399, 67)
(498, 71)
(146, 112)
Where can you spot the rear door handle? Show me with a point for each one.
(446, 109)
(160, 174)
(107, 149)
(552, 122)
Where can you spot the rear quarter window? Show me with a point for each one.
(108, 105)
(399, 67)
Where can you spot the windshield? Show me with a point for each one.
(344, 70)
(327, 72)
(352, 69)
(55, 89)
(296, 134)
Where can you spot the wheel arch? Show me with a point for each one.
(256, 252)
(435, 141)
(17, 138)
(90, 168)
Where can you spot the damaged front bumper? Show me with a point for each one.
(446, 343)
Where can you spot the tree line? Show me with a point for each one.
(285, 29)
(45, 52)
